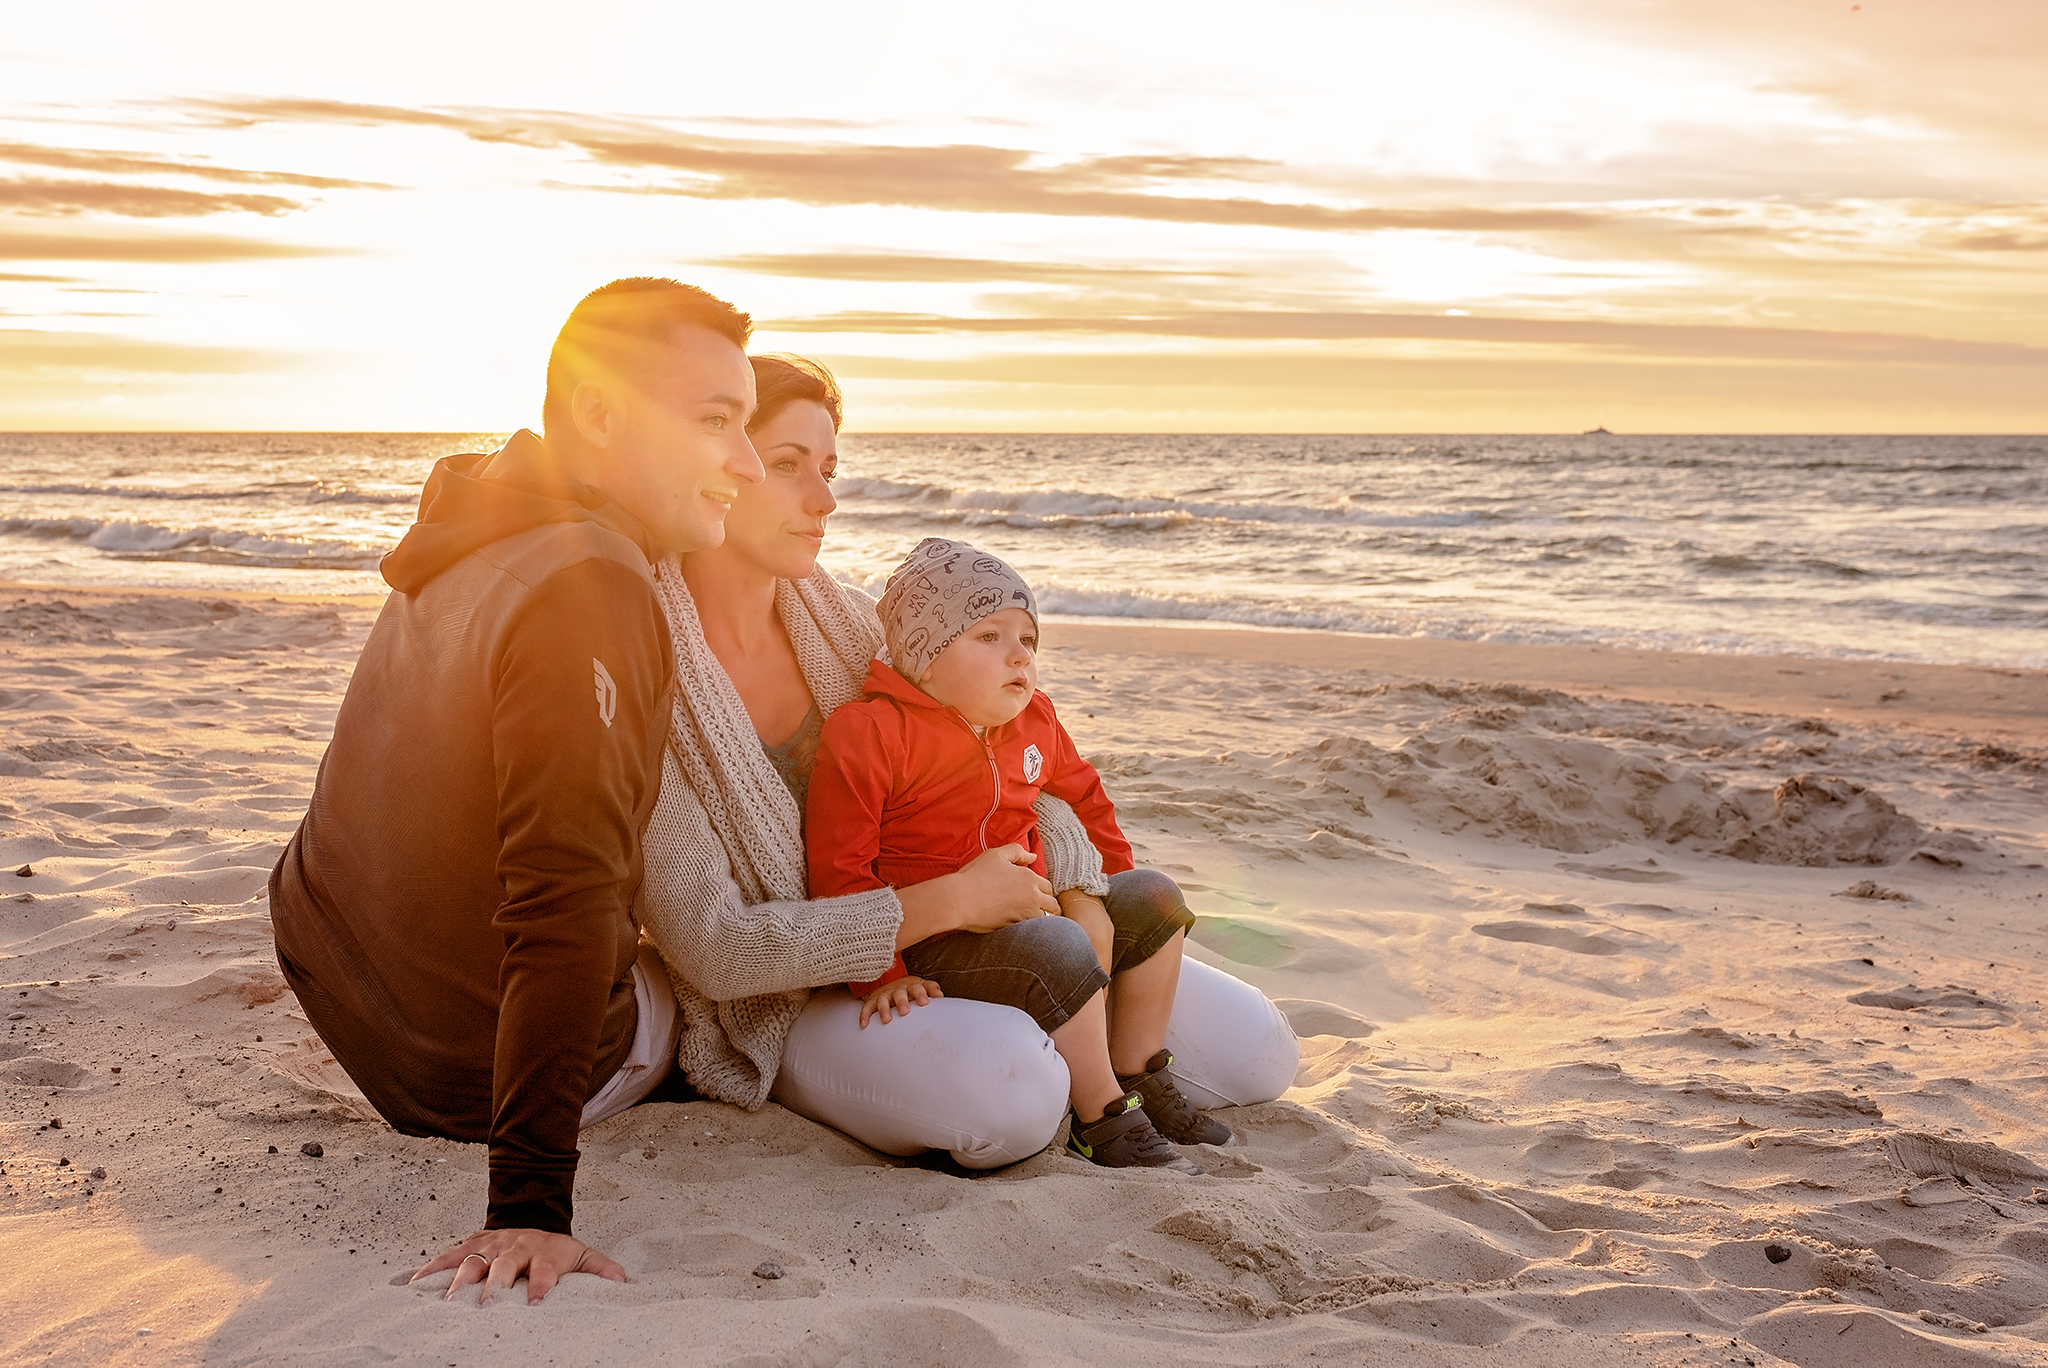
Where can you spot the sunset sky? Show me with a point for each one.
(1542, 215)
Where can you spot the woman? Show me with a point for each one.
(767, 644)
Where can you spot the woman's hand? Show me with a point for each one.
(999, 887)
(498, 1258)
(994, 889)
(898, 994)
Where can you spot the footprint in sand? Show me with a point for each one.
(1952, 1006)
(1621, 873)
(1983, 1166)
(77, 809)
(1297, 948)
(133, 816)
(45, 1073)
(1609, 940)
(1235, 940)
(1311, 1017)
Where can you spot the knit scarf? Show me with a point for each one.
(713, 740)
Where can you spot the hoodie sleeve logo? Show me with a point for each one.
(1034, 764)
(607, 693)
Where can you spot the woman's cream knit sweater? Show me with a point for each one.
(724, 897)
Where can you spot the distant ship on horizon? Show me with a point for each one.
(1596, 432)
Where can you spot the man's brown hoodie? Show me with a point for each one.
(455, 911)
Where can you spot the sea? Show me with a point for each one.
(1902, 548)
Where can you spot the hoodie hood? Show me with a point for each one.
(885, 681)
(475, 499)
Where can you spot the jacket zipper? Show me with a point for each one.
(995, 778)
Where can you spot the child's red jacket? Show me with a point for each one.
(904, 791)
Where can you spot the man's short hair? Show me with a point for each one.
(619, 329)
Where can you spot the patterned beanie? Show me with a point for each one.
(941, 589)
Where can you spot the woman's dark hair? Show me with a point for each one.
(781, 380)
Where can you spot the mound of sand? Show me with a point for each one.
(1580, 796)
(1520, 764)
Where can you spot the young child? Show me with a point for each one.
(940, 760)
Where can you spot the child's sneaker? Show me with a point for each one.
(1172, 1114)
(1124, 1138)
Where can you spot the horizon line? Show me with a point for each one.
(1039, 432)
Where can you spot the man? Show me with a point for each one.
(455, 911)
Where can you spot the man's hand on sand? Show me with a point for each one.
(497, 1259)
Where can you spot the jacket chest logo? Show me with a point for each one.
(1034, 764)
(607, 693)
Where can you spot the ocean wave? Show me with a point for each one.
(126, 539)
(981, 517)
(313, 491)
(1057, 507)
(1069, 601)
(1733, 563)
(1925, 548)
(320, 491)
(115, 491)
(1059, 600)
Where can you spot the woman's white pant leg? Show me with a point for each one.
(1231, 1046)
(974, 1078)
(653, 1051)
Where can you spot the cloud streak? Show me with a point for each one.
(29, 352)
(1652, 339)
(969, 178)
(907, 267)
(105, 163)
(59, 197)
(960, 177)
(652, 159)
(656, 160)
(162, 248)
(1563, 390)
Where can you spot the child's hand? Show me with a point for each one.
(897, 994)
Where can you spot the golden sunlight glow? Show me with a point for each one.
(1504, 215)
(121, 1299)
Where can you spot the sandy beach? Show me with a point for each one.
(1654, 1009)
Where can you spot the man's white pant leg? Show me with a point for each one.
(974, 1078)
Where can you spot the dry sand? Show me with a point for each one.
(1604, 1058)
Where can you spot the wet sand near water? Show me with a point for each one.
(1983, 700)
